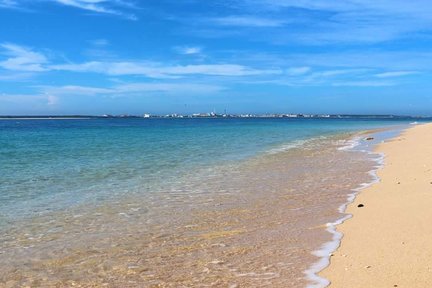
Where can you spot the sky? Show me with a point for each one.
(99, 57)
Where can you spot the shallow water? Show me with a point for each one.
(121, 204)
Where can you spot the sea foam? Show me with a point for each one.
(325, 251)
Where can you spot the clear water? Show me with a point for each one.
(54, 164)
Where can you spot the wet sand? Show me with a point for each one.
(388, 241)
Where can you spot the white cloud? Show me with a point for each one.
(16, 76)
(354, 69)
(132, 89)
(52, 100)
(326, 76)
(318, 22)
(332, 73)
(353, 60)
(113, 7)
(395, 74)
(168, 87)
(100, 6)
(27, 101)
(421, 7)
(156, 70)
(296, 71)
(74, 90)
(306, 4)
(25, 59)
(366, 83)
(188, 50)
(22, 59)
(8, 4)
(48, 97)
(217, 69)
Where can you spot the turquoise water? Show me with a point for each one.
(55, 164)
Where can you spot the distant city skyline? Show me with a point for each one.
(62, 57)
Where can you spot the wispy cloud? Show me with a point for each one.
(327, 77)
(99, 42)
(365, 83)
(157, 70)
(296, 71)
(188, 50)
(321, 22)
(74, 90)
(367, 6)
(306, 4)
(395, 74)
(99, 49)
(132, 89)
(247, 21)
(100, 6)
(25, 59)
(16, 76)
(120, 8)
(28, 101)
(22, 59)
(332, 73)
(354, 60)
(50, 97)
(8, 4)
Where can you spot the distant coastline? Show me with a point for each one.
(208, 116)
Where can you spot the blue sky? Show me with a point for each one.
(188, 56)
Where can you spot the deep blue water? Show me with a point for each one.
(55, 164)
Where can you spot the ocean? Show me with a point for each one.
(175, 202)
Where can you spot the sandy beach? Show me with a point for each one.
(388, 241)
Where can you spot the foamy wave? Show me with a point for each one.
(350, 144)
(324, 253)
(294, 144)
(286, 147)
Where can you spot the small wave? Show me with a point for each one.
(295, 144)
(325, 251)
(288, 146)
(350, 144)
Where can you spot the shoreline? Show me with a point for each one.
(218, 236)
(367, 255)
(225, 231)
(324, 253)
